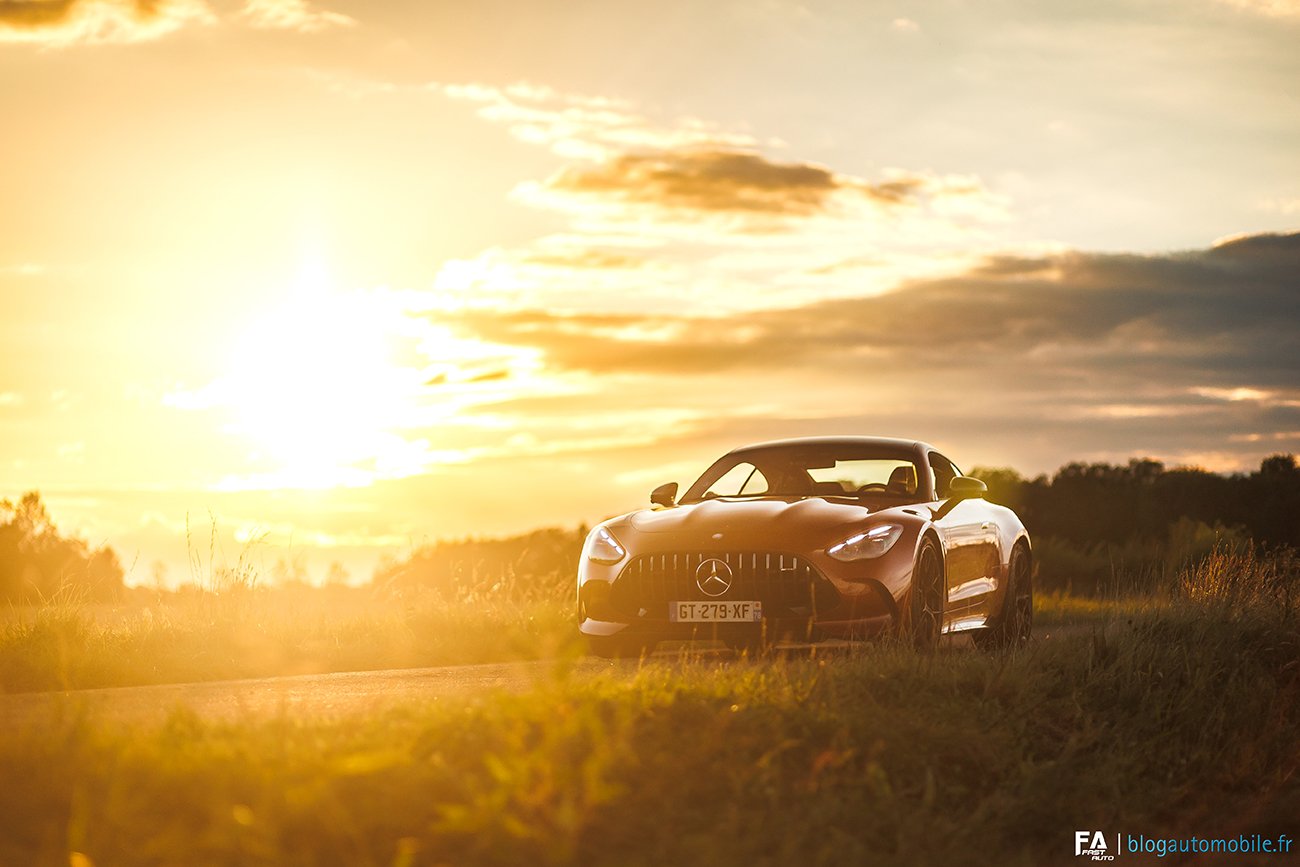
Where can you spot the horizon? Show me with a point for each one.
(361, 276)
(289, 569)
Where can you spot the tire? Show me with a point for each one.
(618, 646)
(925, 609)
(1014, 623)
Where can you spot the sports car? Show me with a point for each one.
(825, 537)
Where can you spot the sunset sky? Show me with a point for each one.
(356, 276)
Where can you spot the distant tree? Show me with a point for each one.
(1006, 486)
(1273, 497)
(337, 574)
(1092, 523)
(37, 563)
(292, 570)
(1280, 467)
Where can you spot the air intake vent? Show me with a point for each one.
(786, 584)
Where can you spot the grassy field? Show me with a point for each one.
(1181, 717)
(248, 632)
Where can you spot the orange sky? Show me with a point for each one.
(349, 277)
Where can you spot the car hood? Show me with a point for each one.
(763, 524)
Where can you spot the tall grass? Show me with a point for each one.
(236, 628)
(1141, 565)
(227, 624)
(249, 631)
(1184, 721)
(1242, 579)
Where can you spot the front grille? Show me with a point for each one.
(786, 584)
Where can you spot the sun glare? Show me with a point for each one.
(316, 385)
(339, 388)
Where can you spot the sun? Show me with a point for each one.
(316, 385)
(341, 388)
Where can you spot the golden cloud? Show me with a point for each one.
(291, 15)
(68, 22)
(712, 180)
(580, 126)
(1223, 316)
(88, 22)
(626, 167)
(1097, 350)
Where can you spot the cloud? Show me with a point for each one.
(67, 22)
(1271, 8)
(558, 274)
(714, 218)
(705, 180)
(744, 187)
(58, 23)
(1226, 314)
(626, 167)
(584, 259)
(1022, 359)
(580, 126)
(809, 299)
(291, 15)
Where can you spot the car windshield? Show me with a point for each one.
(810, 471)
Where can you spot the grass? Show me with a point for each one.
(261, 633)
(227, 626)
(1177, 718)
(252, 632)
(886, 757)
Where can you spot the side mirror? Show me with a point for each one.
(664, 495)
(966, 488)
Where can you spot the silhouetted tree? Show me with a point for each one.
(37, 563)
(1090, 521)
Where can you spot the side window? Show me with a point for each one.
(742, 479)
(756, 484)
(944, 473)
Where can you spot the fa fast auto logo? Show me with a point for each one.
(1092, 844)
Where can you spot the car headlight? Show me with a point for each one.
(602, 547)
(868, 544)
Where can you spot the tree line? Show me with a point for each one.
(1095, 527)
(1116, 503)
(1099, 526)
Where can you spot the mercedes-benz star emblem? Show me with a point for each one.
(713, 577)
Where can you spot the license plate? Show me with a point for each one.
(715, 612)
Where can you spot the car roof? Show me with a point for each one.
(892, 443)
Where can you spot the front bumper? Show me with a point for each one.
(804, 596)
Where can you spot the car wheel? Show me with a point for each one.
(1016, 619)
(618, 646)
(925, 613)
